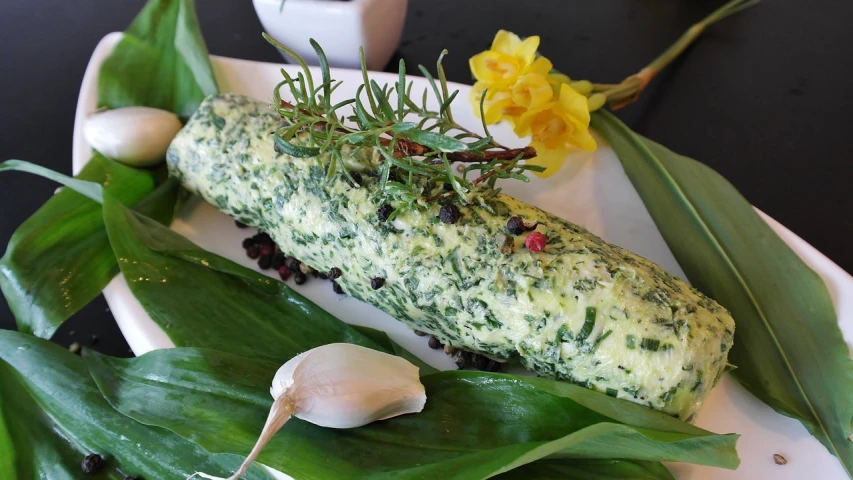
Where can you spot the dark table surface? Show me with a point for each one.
(764, 97)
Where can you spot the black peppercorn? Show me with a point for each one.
(530, 226)
(492, 366)
(462, 358)
(299, 277)
(92, 463)
(248, 242)
(384, 212)
(263, 239)
(355, 177)
(335, 273)
(376, 283)
(265, 262)
(515, 225)
(277, 261)
(435, 343)
(337, 288)
(478, 362)
(449, 214)
(240, 224)
(253, 252)
(292, 263)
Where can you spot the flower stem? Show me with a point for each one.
(627, 92)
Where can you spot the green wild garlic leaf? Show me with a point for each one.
(788, 348)
(474, 425)
(52, 415)
(160, 62)
(60, 259)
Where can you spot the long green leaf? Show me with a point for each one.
(52, 415)
(160, 62)
(475, 425)
(788, 348)
(60, 258)
(190, 46)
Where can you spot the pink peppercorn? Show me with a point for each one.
(284, 272)
(535, 242)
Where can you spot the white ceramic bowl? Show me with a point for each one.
(340, 27)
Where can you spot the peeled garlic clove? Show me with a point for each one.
(346, 386)
(339, 385)
(136, 136)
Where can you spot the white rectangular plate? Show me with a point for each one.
(591, 190)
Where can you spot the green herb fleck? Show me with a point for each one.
(651, 344)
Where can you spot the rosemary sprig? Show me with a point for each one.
(418, 145)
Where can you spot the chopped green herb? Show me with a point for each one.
(588, 324)
(651, 344)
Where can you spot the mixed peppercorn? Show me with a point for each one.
(262, 248)
(463, 358)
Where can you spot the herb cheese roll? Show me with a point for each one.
(579, 310)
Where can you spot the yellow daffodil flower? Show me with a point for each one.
(557, 125)
(528, 91)
(524, 89)
(531, 92)
(509, 58)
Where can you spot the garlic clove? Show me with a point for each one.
(346, 386)
(339, 385)
(136, 136)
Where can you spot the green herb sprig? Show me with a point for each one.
(418, 145)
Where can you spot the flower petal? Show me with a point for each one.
(526, 51)
(494, 68)
(582, 138)
(478, 65)
(505, 42)
(476, 94)
(532, 91)
(574, 105)
(550, 158)
(495, 110)
(522, 124)
(541, 66)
